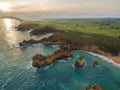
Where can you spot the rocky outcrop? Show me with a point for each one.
(42, 30)
(95, 63)
(27, 26)
(79, 62)
(31, 41)
(55, 39)
(64, 52)
(40, 61)
(52, 40)
(94, 87)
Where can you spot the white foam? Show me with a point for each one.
(55, 46)
(73, 66)
(62, 60)
(14, 46)
(38, 44)
(47, 67)
(105, 59)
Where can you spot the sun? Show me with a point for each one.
(4, 6)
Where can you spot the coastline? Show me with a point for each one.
(114, 58)
(10, 17)
(92, 49)
(110, 59)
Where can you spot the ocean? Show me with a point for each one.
(17, 73)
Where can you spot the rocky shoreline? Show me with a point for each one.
(64, 52)
(27, 26)
(57, 39)
(97, 50)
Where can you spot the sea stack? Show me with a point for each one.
(94, 87)
(79, 62)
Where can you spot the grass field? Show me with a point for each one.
(109, 27)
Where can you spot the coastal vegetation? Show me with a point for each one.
(27, 26)
(107, 27)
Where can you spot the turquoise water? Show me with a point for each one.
(16, 72)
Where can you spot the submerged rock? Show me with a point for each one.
(79, 62)
(95, 63)
(94, 87)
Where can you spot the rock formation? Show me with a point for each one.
(79, 62)
(31, 41)
(42, 30)
(52, 40)
(94, 87)
(40, 61)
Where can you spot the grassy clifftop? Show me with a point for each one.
(109, 27)
(104, 33)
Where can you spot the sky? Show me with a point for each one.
(65, 7)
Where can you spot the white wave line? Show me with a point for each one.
(105, 59)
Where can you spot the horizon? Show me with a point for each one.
(61, 9)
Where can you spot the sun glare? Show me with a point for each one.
(4, 6)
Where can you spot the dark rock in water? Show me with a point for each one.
(16, 27)
(79, 62)
(39, 61)
(94, 87)
(23, 43)
(31, 41)
(27, 26)
(95, 63)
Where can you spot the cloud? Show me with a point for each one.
(7, 0)
(19, 7)
(66, 6)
